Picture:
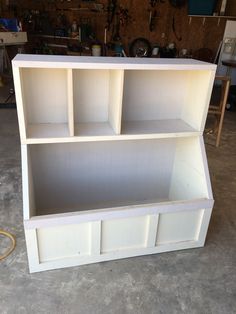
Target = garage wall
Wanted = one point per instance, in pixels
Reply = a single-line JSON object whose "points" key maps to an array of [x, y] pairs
{"points": [[194, 35]]}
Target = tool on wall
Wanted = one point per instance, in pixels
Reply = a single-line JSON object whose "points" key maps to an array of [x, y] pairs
{"points": [[111, 11], [178, 37], [153, 15], [177, 4], [154, 2]]}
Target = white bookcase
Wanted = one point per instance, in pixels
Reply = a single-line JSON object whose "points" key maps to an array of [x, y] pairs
{"points": [[113, 160]]}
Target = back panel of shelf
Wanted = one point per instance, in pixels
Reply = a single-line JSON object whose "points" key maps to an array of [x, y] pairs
{"points": [[97, 101], [44, 94], [165, 101]]}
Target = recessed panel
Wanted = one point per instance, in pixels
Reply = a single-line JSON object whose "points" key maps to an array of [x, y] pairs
{"points": [[179, 227], [63, 241], [126, 233]]}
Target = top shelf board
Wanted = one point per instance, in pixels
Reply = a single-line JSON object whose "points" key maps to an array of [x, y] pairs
{"points": [[63, 62]]}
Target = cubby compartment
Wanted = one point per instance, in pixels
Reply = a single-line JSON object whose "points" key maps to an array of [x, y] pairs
{"points": [[96, 175], [97, 101], [165, 101], [44, 95]]}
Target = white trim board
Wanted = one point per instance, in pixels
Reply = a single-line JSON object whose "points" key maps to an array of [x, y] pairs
{"points": [[46, 61], [115, 213]]}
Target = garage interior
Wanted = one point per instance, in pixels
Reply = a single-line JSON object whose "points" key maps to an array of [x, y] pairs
{"points": [[201, 280]]}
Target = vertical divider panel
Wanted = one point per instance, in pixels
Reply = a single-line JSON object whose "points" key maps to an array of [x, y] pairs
{"points": [[152, 225], [95, 245], [21, 111], [116, 84], [70, 103], [27, 183]]}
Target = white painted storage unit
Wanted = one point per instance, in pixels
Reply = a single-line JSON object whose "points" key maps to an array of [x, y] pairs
{"points": [[113, 159]]}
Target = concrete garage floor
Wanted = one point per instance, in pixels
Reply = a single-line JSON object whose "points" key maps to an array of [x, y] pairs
{"points": [[197, 281]]}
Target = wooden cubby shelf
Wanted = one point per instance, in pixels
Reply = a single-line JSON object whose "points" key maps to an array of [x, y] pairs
{"points": [[113, 158], [89, 97]]}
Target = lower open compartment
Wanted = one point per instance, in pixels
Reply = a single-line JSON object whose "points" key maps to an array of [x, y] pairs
{"points": [[96, 201]]}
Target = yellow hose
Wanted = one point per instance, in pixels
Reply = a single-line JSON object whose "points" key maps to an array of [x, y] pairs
{"points": [[13, 243]]}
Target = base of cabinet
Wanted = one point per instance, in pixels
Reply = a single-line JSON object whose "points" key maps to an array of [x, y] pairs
{"points": [[67, 245]]}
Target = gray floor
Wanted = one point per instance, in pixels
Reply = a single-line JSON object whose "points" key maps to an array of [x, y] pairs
{"points": [[192, 281]]}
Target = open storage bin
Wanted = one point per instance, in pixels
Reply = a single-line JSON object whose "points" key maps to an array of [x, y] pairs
{"points": [[95, 175]]}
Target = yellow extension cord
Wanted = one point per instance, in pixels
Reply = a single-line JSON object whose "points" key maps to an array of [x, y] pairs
{"points": [[13, 243]]}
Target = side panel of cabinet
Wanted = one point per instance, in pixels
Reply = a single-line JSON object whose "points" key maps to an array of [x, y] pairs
{"points": [[197, 98]]}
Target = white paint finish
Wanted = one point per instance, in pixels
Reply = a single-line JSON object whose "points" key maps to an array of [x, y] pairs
{"points": [[204, 226], [45, 93], [93, 129], [196, 105], [205, 168], [95, 238], [95, 95], [158, 95], [102, 190], [70, 101], [116, 82], [178, 227], [88, 131], [27, 184], [32, 250], [46, 61], [91, 95], [104, 214], [83, 175], [148, 170], [63, 241], [154, 95], [188, 175], [20, 102], [123, 234], [165, 126], [31, 196], [87, 259], [152, 230], [47, 130]]}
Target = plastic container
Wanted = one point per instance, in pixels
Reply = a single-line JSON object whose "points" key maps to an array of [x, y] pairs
{"points": [[9, 24], [201, 7], [96, 50]]}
